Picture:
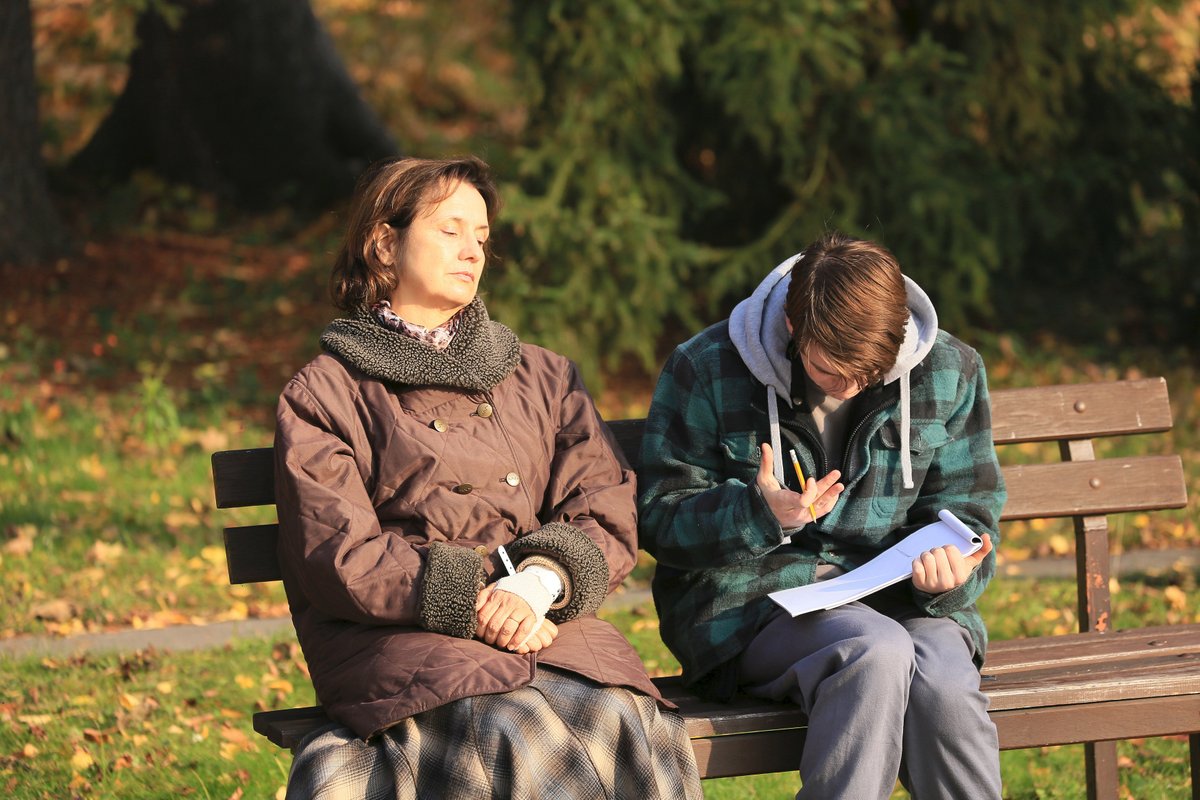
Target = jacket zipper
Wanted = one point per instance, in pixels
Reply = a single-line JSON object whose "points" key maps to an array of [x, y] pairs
{"points": [[846, 461]]}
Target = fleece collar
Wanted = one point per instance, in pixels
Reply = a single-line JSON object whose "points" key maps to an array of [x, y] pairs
{"points": [[482, 353]]}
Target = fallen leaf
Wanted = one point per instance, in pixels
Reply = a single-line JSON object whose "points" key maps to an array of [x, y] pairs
{"points": [[105, 553], [54, 610], [214, 555], [181, 519], [21, 543], [92, 467], [35, 719], [236, 735], [1176, 597], [82, 760], [1059, 544]]}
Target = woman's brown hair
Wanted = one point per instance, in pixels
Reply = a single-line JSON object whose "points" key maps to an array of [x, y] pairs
{"points": [[847, 297], [394, 192]]}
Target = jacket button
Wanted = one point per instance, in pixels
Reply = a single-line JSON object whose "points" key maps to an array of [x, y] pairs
{"points": [[439, 425], [464, 488], [512, 479], [481, 549], [484, 410]]}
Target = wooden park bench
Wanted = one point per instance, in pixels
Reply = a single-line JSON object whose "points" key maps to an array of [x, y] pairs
{"points": [[1093, 687]]}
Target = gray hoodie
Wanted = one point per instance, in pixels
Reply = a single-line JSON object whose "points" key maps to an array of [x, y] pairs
{"points": [[758, 329]]}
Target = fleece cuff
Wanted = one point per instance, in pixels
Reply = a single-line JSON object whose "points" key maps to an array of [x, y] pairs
{"points": [[579, 556], [453, 578]]}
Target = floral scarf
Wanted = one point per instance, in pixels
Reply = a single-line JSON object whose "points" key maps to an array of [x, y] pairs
{"points": [[438, 338]]}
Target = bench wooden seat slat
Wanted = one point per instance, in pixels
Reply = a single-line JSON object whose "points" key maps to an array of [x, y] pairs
{"points": [[777, 750], [749, 753], [1091, 687], [1014, 655], [1151, 677], [1097, 722], [1172, 716]]}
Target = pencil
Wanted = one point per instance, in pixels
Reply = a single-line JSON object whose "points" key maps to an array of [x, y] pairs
{"points": [[803, 483]]}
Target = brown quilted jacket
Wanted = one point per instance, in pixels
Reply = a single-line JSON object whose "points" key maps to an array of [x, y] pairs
{"points": [[399, 470]]}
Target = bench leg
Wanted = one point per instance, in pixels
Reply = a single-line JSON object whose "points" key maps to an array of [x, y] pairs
{"points": [[1194, 746], [1101, 761]]}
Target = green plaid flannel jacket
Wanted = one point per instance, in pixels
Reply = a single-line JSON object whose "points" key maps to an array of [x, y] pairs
{"points": [[720, 550]]}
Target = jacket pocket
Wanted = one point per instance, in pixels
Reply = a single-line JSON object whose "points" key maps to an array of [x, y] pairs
{"points": [[889, 497], [925, 437], [741, 449]]}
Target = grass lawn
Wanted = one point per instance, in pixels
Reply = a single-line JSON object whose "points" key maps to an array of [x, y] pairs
{"points": [[156, 724]]}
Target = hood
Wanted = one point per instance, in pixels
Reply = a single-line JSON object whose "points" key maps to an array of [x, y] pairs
{"points": [[759, 333], [758, 329]]}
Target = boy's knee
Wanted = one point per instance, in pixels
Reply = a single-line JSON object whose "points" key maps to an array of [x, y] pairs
{"points": [[887, 651]]}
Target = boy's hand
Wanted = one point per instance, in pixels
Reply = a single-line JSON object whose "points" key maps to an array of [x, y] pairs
{"points": [[944, 568], [791, 509]]}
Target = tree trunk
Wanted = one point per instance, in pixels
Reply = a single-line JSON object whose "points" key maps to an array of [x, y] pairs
{"points": [[30, 228], [245, 99]]}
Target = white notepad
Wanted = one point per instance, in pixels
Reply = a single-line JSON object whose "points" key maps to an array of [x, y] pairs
{"points": [[890, 566]]}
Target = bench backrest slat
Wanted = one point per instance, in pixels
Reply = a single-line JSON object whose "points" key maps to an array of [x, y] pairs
{"points": [[250, 553], [1107, 486], [1080, 411], [1076, 411], [244, 478], [1035, 491]]}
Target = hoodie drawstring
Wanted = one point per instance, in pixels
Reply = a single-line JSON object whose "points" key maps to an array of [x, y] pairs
{"points": [[905, 424], [776, 442], [776, 445]]}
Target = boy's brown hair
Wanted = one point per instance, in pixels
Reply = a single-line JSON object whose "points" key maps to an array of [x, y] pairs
{"points": [[847, 297]]}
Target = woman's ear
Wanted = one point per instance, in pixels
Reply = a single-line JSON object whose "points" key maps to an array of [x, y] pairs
{"points": [[383, 243]]}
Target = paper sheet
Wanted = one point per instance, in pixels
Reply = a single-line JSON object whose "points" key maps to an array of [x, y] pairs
{"points": [[890, 566]]}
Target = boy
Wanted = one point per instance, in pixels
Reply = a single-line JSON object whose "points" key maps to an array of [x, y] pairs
{"points": [[837, 356]]}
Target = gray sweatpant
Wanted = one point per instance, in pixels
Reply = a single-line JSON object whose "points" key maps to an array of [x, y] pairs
{"points": [[886, 694]]}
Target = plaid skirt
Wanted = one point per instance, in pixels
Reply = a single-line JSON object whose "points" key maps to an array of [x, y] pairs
{"points": [[560, 736]]}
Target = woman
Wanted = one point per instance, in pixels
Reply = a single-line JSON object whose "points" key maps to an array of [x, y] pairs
{"points": [[452, 512]]}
